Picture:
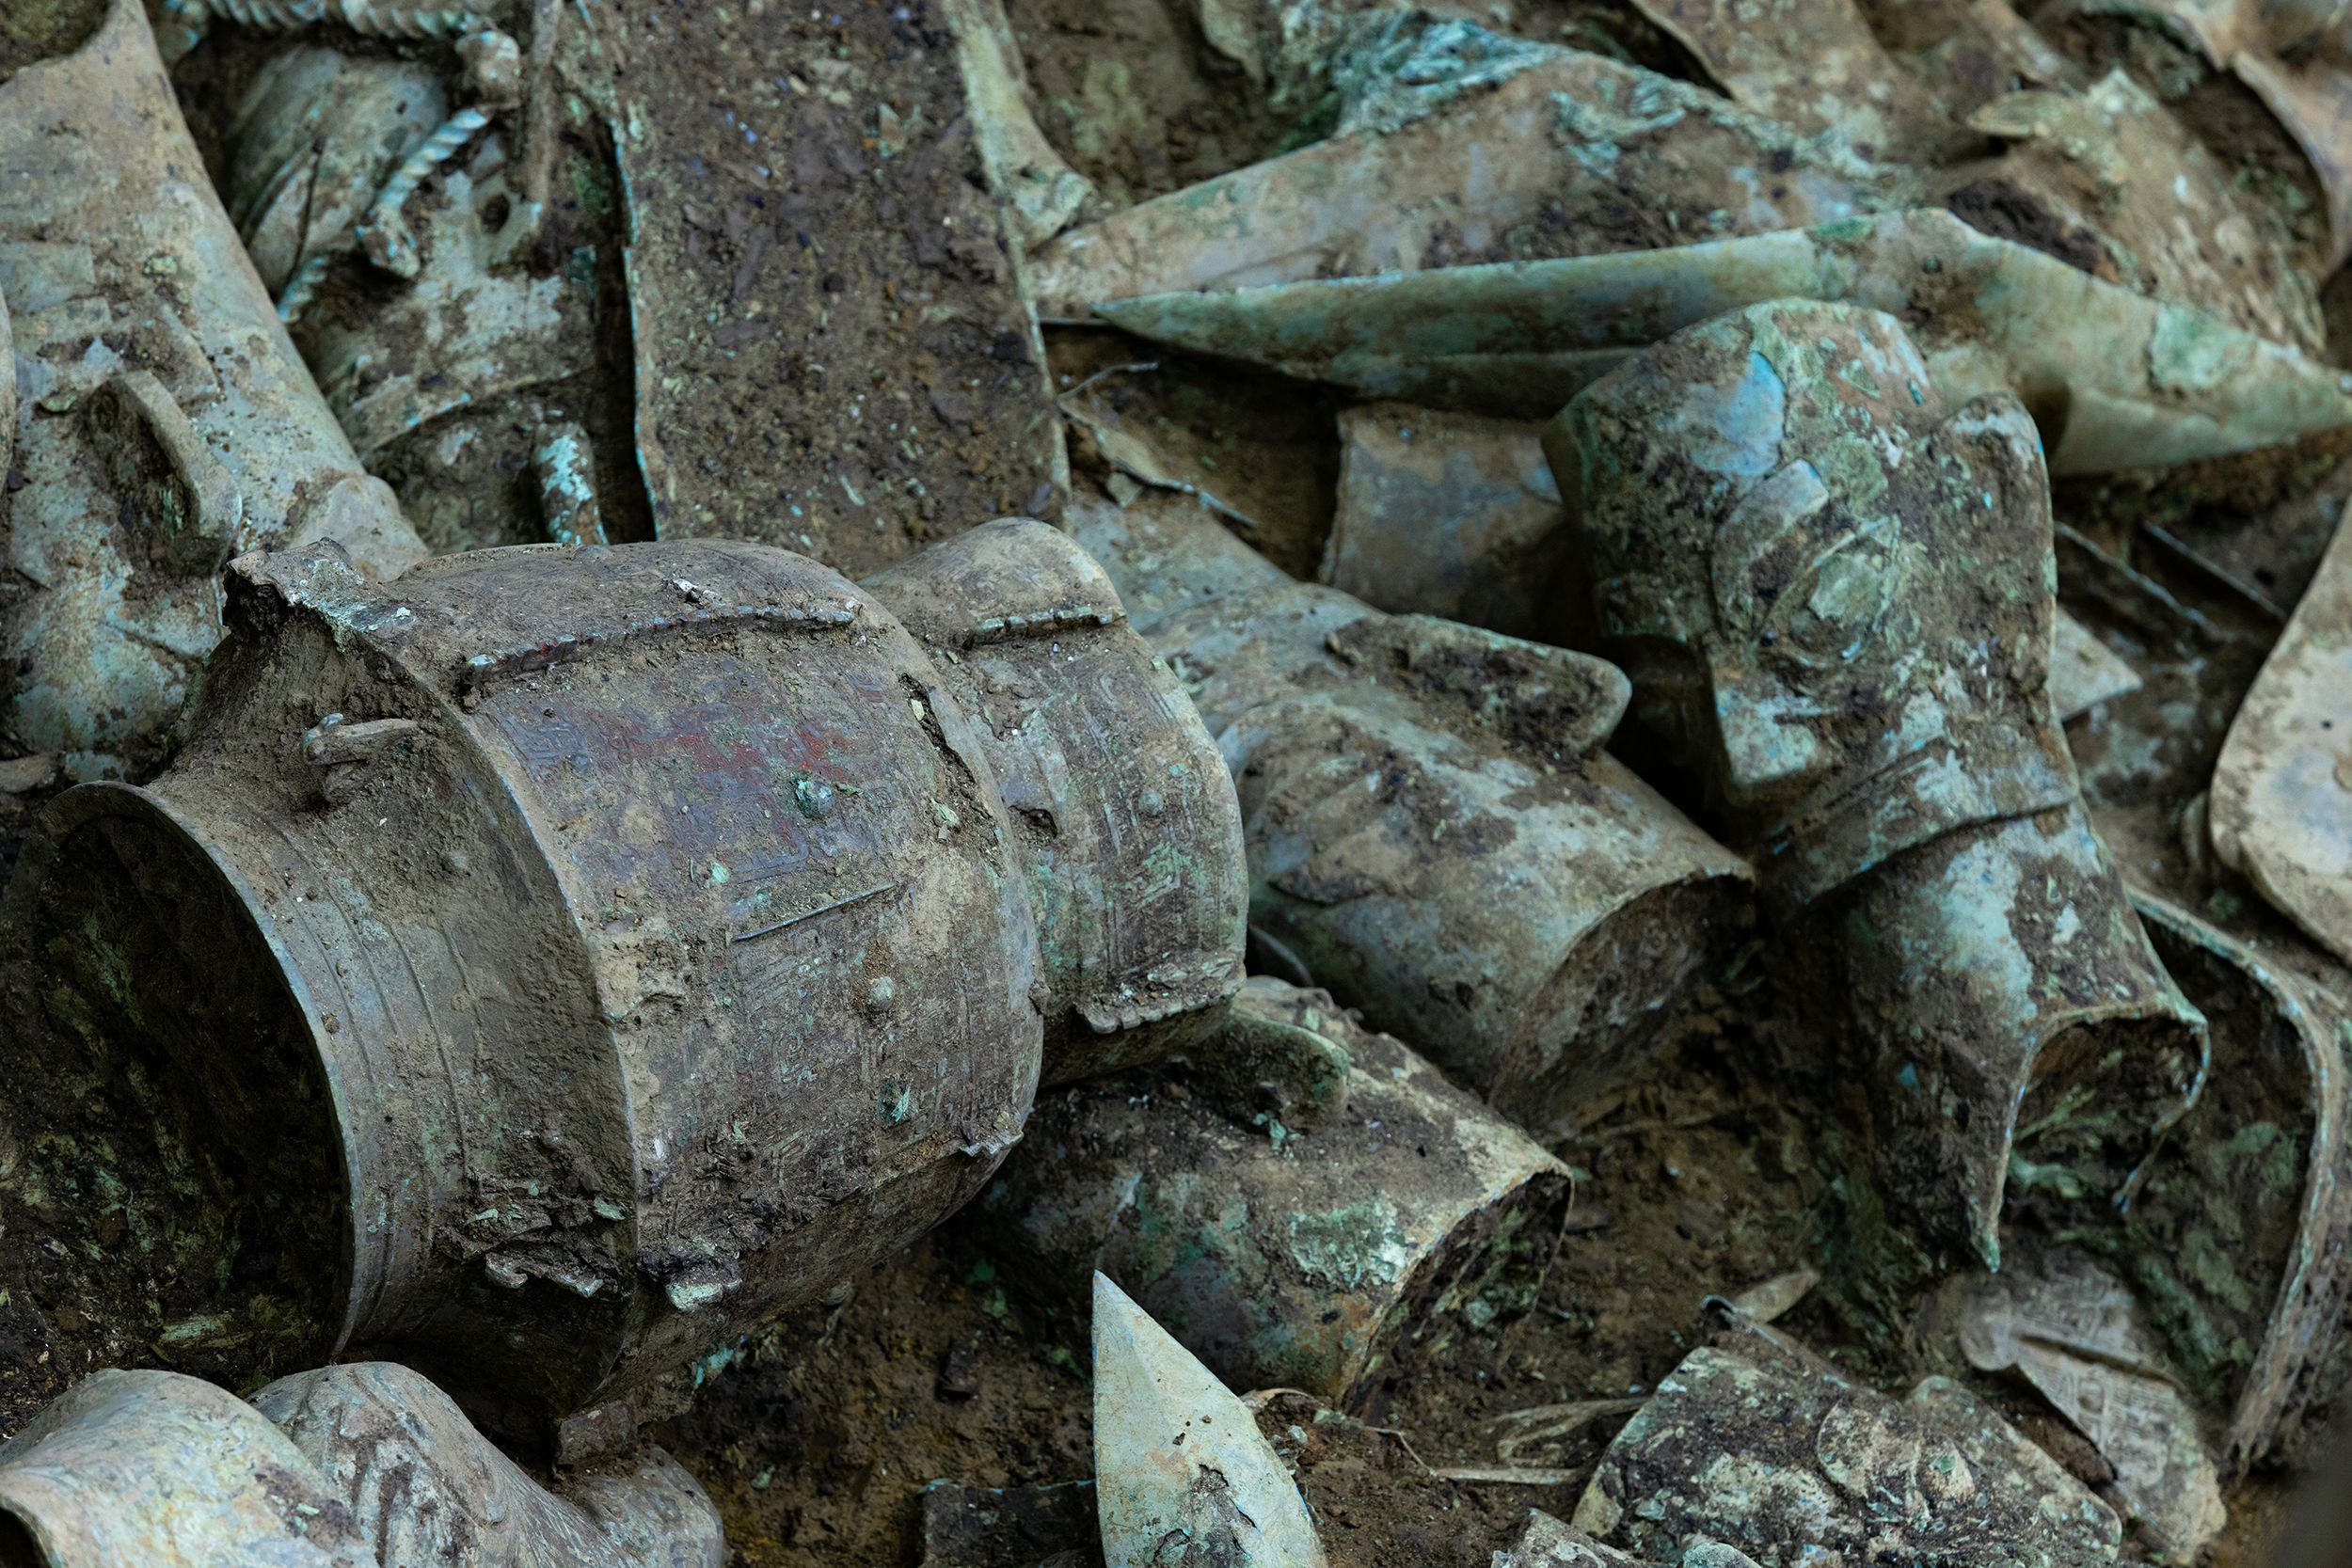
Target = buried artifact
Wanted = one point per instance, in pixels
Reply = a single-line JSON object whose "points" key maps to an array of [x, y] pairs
{"points": [[1181, 1473], [400, 234], [1305, 1203], [167, 421], [1126, 819], [351, 1466], [2116, 379], [2237, 1239], [632, 941], [1458, 144], [1835, 595], [1434, 832], [1756, 1444], [2281, 804]]}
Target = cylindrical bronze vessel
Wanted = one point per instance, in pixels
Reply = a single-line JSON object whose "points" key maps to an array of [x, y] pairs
{"points": [[600, 949]]}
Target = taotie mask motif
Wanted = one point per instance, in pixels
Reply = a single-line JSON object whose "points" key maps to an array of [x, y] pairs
{"points": [[1855, 586], [1834, 598]]}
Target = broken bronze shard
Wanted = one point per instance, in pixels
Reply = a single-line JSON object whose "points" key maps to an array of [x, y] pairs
{"points": [[1305, 1205], [1438, 138], [1758, 1446], [1834, 592], [1570, 149], [1450, 514], [1546, 1542], [2116, 379], [2237, 1240], [2074, 1333], [866, 374], [2292, 57], [658, 948], [1434, 832], [349, 1467], [1181, 1474], [168, 422], [2281, 803]]}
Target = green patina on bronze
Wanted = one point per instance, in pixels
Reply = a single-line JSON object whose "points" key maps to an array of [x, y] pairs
{"points": [[1755, 1442], [1128, 829], [620, 944], [346, 1466], [176, 426], [1435, 830], [1835, 595], [1390, 1215]]}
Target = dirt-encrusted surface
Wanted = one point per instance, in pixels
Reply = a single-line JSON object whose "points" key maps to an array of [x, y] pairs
{"points": [[35, 30], [461, 458], [1137, 99], [2222, 113], [1131, 92], [1264, 449], [1723, 1166], [832, 352], [820, 1439], [808, 329]]}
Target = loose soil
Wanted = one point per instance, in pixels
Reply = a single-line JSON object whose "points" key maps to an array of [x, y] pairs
{"points": [[1261, 445], [169, 1186], [1712, 1172], [1133, 95]]}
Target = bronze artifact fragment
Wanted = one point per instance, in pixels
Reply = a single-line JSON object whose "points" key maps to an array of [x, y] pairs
{"points": [[159, 393], [629, 941], [1834, 592], [1761, 1445], [1305, 1204], [363, 1464], [1434, 832]]}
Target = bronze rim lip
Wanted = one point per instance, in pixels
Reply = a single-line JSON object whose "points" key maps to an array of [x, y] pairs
{"points": [[88, 802]]}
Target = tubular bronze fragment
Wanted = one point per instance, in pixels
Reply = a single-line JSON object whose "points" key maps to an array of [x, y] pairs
{"points": [[350, 1466], [1307, 1205], [623, 944], [1434, 830], [1126, 816], [1450, 514], [172, 423]]}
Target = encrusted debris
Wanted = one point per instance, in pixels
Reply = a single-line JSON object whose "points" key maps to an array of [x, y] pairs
{"points": [[2069, 1330], [1307, 1205], [1767, 1450], [2281, 805], [1435, 834]]}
